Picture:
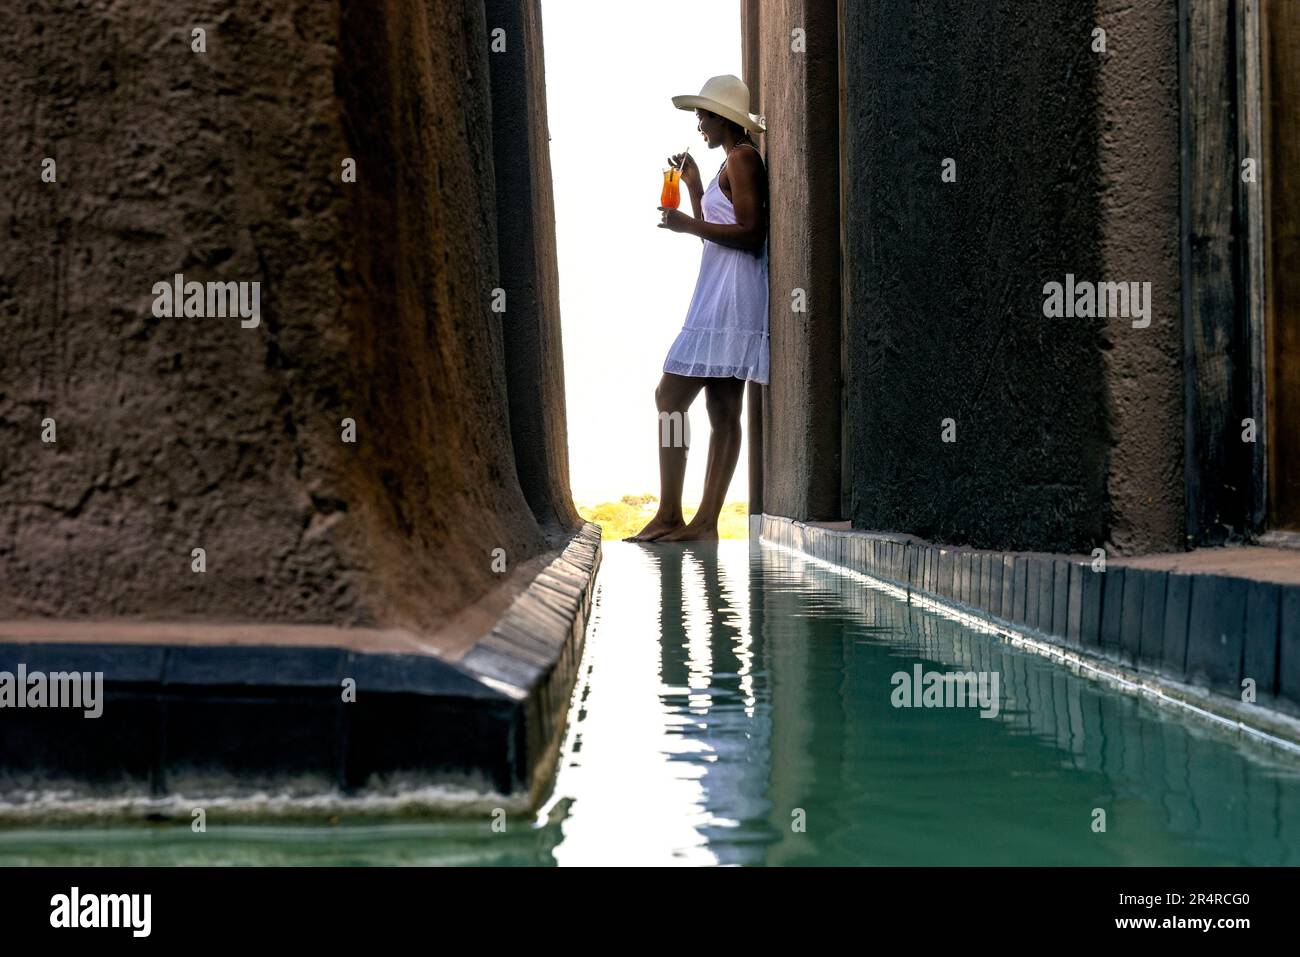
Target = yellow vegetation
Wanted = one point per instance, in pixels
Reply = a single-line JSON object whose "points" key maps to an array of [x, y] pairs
{"points": [[628, 515]]}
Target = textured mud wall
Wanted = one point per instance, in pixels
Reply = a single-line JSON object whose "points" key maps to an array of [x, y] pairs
{"points": [[174, 434], [797, 73], [529, 271], [752, 75], [1138, 154], [944, 280], [1068, 431]]}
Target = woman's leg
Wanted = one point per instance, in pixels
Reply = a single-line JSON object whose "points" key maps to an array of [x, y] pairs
{"points": [[725, 399], [673, 399]]}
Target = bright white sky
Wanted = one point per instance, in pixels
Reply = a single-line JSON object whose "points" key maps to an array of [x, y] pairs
{"points": [[625, 284]]}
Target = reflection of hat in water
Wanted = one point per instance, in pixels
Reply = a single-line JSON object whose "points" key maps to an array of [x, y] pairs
{"points": [[728, 97]]}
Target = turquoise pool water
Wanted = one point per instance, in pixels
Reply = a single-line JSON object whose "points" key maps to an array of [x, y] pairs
{"points": [[737, 705]]}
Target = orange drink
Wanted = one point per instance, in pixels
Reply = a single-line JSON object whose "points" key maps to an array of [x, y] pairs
{"points": [[671, 196]]}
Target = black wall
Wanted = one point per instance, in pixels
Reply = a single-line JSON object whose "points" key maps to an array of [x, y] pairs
{"points": [[943, 281]]}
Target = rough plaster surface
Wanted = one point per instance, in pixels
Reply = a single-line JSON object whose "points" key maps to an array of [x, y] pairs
{"points": [[529, 271], [799, 94], [177, 433], [1139, 165], [943, 281], [1069, 431]]}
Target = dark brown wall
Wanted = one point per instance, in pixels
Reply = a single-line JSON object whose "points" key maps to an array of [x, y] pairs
{"points": [[1281, 31], [799, 94], [752, 75], [529, 273], [1069, 431], [176, 433], [1218, 464], [1137, 116], [943, 281]]}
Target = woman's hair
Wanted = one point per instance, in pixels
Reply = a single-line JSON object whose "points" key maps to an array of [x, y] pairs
{"points": [[737, 130]]}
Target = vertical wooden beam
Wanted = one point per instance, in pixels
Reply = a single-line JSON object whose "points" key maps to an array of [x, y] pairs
{"points": [[1250, 204], [749, 56], [799, 89], [1280, 70], [1218, 463], [846, 458]]}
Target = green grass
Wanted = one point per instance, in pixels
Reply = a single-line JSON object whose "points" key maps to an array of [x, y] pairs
{"points": [[630, 513]]}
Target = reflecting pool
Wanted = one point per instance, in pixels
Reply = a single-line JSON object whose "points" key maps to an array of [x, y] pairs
{"points": [[738, 704]]}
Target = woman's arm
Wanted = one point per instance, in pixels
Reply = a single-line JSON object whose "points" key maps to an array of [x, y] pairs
{"points": [[697, 196], [691, 177], [745, 171]]}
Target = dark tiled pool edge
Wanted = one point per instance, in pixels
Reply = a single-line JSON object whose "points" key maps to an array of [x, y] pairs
{"points": [[229, 720], [1195, 637], [533, 655]]}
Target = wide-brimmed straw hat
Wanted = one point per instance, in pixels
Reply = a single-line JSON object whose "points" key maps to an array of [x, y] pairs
{"points": [[728, 97]]}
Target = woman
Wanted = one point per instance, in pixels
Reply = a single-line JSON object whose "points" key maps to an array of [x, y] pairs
{"points": [[724, 340]]}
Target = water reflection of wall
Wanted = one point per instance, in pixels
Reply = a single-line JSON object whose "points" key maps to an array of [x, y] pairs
{"points": [[1204, 789]]}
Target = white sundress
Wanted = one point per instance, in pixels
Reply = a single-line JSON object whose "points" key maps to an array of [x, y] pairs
{"points": [[725, 333]]}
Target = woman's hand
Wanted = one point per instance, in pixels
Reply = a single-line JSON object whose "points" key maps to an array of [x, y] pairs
{"points": [[690, 172], [675, 220]]}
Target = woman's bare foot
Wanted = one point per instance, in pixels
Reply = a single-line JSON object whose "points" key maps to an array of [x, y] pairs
{"points": [[695, 531], [656, 529]]}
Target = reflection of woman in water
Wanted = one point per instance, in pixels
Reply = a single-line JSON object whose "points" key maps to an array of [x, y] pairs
{"points": [[713, 680], [724, 341]]}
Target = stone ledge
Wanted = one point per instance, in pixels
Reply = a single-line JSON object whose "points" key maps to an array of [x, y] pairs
{"points": [[205, 718], [1195, 635]]}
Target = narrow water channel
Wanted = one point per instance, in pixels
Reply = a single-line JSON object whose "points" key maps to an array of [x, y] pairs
{"points": [[740, 705]]}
